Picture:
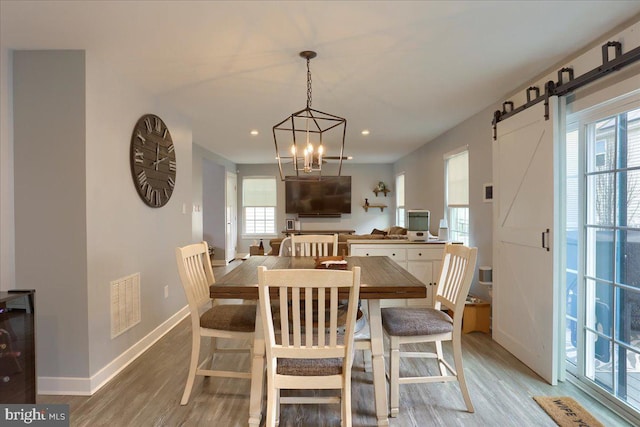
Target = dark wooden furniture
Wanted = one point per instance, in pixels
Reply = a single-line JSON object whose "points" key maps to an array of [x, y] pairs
{"points": [[17, 347], [381, 279]]}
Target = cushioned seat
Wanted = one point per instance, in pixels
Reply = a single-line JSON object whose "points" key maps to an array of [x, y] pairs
{"points": [[404, 322], [238, 318], [309, 367]]}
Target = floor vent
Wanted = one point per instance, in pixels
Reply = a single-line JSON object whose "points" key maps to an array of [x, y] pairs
{"points": [[125, 304]]}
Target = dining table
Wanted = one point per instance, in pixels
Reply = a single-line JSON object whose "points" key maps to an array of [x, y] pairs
{"points": [[381, 279]]}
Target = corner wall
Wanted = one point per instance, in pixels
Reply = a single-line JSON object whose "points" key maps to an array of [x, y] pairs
{"points": [[50, 204]]}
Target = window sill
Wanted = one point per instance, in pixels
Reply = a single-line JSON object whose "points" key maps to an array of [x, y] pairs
{"points": [[258, 236]]}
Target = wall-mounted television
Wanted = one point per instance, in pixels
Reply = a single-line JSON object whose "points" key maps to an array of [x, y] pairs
{"points": [[310, 197]]}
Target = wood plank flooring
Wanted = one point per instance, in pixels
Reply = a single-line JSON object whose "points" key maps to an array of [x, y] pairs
{"points": [[148, 392]]}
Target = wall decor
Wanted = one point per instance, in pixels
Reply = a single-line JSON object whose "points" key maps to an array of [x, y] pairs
{"points": [[153, 160]]}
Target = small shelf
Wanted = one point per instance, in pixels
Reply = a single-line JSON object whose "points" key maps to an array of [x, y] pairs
{"points": [[366, 207], [385, 191], [485, 283]]}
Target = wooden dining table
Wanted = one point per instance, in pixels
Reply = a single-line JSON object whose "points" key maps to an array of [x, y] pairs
{"points": [[381, 278]]}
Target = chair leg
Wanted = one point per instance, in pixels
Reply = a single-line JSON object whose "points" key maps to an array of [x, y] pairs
{"points": [[212, 350], [394, 375], [346, 403], [193, 366], [272, 406], [457, 359], [443, 368]]}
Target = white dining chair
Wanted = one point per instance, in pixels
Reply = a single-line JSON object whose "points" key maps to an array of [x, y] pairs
{"points": [[297, 355], [224, 321], [404, 325], [314, 245]]}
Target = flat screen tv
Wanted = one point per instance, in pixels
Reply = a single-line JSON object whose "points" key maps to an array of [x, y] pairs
{"points": [[328, 197]]}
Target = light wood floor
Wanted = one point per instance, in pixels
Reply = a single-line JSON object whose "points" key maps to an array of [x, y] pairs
{"points": [[148, 392]]}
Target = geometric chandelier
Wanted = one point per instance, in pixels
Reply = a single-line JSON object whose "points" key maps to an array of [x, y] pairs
{"points": [[307, 131]]}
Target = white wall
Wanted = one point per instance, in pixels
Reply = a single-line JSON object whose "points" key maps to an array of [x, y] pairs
{"points": [[7, 231], [50, 196], [424, 181], [124, 235], [80, 222], [364, 178], [209, 194]]}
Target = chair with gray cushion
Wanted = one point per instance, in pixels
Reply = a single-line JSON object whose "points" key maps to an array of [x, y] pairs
{"points": [[208, 319], [405, 325], [304, 350]]}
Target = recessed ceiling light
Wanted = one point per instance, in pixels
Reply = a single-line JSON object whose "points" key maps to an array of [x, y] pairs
{"points": [[365, 132], [254, 132]]}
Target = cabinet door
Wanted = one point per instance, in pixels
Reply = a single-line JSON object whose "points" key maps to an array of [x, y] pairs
{"points": [[423, 270]]}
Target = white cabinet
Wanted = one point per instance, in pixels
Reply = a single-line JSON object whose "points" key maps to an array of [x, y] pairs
{"points": [[423, 260]]}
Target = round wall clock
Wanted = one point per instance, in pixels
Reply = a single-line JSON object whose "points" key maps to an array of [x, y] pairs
{"points": [[153, 160]]}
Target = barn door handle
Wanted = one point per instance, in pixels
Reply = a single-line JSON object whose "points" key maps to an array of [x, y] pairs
{"points": [[545, 240]]}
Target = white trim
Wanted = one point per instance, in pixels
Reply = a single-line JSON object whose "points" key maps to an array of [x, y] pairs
{"points": [[453, 153], [78, 386]]}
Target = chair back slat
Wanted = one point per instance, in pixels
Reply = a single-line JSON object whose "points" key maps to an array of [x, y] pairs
{"points": [[314, 245], [458, 263], [196, 274], [303, 298]]}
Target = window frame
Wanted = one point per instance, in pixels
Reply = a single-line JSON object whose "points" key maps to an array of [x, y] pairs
{"points": [[268, 233], [454, 235]]}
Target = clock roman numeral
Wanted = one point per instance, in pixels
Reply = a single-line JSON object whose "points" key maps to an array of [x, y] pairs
{"points": [[140, 137], [142, 178], [171, 182], [166, 193], [172, 165], [147, 123], [139, 156], [155, 198], [149, 192], [158, 124], [164, 134], [170, 148]]}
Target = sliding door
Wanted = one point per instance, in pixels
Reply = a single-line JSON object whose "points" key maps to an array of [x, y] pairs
{"points": [[525, 313], [603, 286]]}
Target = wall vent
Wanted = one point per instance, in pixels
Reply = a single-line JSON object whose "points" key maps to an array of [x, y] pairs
{"points": [[125, 304]]}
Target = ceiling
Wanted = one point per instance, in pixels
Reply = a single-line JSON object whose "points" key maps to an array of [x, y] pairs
{"points": [[406, 71]]}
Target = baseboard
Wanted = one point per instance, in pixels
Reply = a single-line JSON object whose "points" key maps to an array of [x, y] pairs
{"points": [[76, 386]]}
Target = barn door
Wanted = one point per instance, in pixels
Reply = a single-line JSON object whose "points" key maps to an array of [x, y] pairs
{"points": [[525, 317]]}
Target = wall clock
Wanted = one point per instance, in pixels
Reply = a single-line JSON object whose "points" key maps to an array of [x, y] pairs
{"points": [[153, 160]]}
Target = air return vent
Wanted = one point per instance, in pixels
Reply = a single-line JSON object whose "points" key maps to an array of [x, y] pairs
{"points": [[125, 304]]}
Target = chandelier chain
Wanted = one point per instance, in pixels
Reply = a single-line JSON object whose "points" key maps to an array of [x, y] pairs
{"points": [[308, 84]]}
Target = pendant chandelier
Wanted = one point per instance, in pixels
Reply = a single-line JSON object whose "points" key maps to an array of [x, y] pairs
{"points": [[307, 131]]}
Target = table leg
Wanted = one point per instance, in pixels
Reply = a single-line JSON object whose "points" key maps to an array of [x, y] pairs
{"points": [[257, 373], [377, 353]]}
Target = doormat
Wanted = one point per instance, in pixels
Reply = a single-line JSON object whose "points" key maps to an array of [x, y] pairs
{"points": [[566, 412]]}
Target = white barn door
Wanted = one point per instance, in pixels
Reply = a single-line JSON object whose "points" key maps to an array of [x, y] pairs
{"points": [[525, 315]]}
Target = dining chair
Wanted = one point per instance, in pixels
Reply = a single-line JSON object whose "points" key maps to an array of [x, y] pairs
{"points": [[297, 355], [209, 319], [314, 245], [404, 325]]}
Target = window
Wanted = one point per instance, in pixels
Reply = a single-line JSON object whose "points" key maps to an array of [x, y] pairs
{"points": [[400, 200], [602, 337], [259, 205], [457, 194]]}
